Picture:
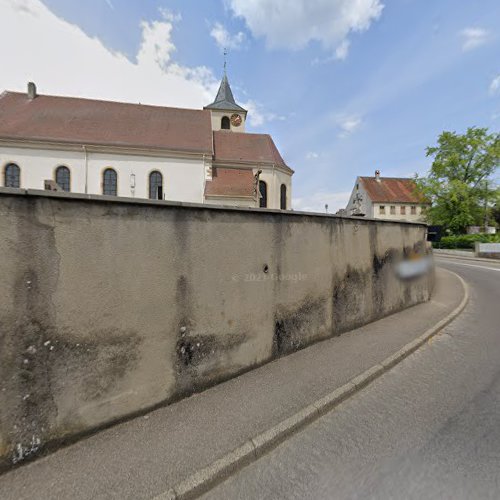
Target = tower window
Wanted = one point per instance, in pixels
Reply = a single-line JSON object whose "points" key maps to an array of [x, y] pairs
{"points": [[283, 197], [262, 194], [63, 178], [225, 123], [12, 176], [156, 185], [109, 182]]}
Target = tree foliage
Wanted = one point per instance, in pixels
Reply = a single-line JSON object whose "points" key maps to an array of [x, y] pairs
{"points": [[460, 185]]}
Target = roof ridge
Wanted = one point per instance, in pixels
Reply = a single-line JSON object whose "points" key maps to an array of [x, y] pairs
{"points": [[388, 178], [107, 101]]}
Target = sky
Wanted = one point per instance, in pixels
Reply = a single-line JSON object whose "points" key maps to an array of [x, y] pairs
{"points": [[344, 87]]}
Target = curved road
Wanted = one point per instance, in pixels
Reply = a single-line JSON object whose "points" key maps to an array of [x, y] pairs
{"points": [[430, 428]]}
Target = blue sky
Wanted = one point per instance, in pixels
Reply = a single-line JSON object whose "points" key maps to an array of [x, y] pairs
{"points": [[343, 87]]}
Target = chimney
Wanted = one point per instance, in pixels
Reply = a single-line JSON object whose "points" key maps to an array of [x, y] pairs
{"points": [[31, 90], [377, 175]]}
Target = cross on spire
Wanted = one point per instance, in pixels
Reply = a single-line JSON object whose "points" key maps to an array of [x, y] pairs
{"points": [[225, 60]]}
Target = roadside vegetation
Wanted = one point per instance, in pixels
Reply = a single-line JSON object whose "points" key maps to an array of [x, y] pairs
{"points": [[462, 186], [466, 241]]}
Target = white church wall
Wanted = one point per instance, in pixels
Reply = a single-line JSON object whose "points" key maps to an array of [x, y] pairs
{"points": [[274, 178], [183, 179], [38, 165]]}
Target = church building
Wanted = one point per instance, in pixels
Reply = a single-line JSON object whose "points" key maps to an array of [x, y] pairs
{"points": [[134, 150]]}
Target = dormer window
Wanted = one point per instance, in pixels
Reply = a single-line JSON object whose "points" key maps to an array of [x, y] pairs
{"points": [[225, 123]]}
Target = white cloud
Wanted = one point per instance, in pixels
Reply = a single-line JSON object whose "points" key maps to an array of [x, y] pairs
{"points": [[62, 59], [225, 40], [110, 4], [312, 155], [258, 116], [293, 24], [495, 85], [317, 201], [472, 38], [348, 124]]}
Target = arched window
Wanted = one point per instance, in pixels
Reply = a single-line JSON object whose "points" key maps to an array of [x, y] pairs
{"points": [[63, 178], [156, 185], [109, 182], [283, 197], [262, 194], [12, 176], [225, 123]]}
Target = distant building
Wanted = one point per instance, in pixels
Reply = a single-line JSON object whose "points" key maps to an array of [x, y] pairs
{"points": [[386, 198], [133, 150]]}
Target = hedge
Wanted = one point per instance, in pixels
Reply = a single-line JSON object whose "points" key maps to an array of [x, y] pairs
{"points": [[466, 241]]}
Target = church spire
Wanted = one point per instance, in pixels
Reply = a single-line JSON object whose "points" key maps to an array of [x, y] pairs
{"points": [[225, 99]]}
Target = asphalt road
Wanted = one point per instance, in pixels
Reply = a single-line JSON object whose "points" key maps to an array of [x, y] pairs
{"points": [[430, 428]]}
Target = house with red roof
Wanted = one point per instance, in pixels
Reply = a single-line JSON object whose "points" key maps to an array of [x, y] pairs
{"points": [[391, 198], [139, 151]]}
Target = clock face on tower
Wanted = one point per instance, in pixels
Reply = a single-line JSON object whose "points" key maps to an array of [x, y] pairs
{"points": [[236, 120]]}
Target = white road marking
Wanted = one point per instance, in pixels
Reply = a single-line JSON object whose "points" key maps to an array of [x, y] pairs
{"points": [[471, 265]]}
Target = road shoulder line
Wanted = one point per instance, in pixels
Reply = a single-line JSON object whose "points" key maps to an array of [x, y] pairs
{"points": [[219, 470]]}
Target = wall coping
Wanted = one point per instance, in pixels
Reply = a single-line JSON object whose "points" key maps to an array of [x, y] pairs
{"points": [[63, 195]]}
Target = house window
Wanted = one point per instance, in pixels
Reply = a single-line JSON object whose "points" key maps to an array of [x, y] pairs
{"points": [[262, 194], [381, 209], [283, 197], [12, 176], [393, 210], [403, 210], [63, 178], [156, 185], [413, 210], [225, 123], [109, 182]]}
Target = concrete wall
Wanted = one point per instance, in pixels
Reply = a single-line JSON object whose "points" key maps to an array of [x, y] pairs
{"points": [[109, 307]]}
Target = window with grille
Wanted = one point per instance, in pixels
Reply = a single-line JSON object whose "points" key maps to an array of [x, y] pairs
{"points": [[63, 178], [12, 175], [155, 185], [109, 182]]}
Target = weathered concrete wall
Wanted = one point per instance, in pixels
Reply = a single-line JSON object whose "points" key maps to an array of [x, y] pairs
{"points": [[110, 307]]}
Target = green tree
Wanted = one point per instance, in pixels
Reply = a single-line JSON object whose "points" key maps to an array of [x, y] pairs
{"points": [[460, 184]]}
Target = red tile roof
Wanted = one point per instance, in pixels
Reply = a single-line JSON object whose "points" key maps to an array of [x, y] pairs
{"points": [[92, 122], [389, 189], [244, 147], [231, 182]]}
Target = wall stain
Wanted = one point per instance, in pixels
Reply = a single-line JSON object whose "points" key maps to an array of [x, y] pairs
{"points": [[297, 326]]}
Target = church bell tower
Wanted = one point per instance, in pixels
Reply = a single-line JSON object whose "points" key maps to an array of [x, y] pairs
{"points": [[226, 114]]}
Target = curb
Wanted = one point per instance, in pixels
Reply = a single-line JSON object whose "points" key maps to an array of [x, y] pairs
{"points": [[219, 470], [478, 259]]}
